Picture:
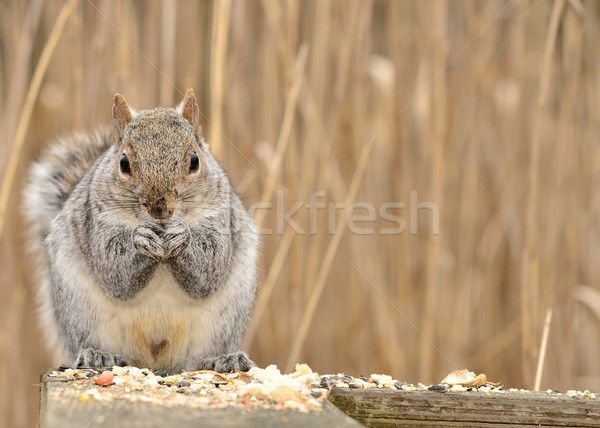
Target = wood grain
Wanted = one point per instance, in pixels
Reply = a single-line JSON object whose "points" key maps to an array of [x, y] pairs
{"points": [[384, 408]]}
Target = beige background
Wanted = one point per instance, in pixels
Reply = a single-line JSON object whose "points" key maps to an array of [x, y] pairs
{"points": [[487, 109]]}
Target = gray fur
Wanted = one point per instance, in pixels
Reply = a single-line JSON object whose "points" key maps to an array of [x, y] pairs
{"points": [[91, 358], [118, 284], [222, 363]]}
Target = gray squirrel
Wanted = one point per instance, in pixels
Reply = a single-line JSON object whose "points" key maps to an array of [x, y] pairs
{"points": [[146, 255]]}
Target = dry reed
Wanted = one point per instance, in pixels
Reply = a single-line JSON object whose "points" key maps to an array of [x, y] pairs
{"points": [[530, 263], [543, 346], [25, 117], [486, 109], [218, 71]]}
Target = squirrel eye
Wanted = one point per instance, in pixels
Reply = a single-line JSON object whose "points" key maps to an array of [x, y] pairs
{"points": [[194, 163], [124, 163]]}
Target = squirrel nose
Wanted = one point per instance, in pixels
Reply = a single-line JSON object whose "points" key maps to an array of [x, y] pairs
{"points": [[159, 209]]}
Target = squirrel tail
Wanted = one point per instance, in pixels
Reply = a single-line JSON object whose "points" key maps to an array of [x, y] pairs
{"points": [[54, 176], [50, 182]]}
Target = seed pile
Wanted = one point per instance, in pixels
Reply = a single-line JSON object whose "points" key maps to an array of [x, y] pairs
{"points": [[266, 388], [303, 390]]}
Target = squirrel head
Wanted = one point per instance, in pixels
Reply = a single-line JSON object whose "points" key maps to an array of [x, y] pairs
{"points": [[160, 155]]}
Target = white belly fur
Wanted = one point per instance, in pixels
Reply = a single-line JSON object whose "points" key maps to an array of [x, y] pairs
{"points": [[157, 328]]}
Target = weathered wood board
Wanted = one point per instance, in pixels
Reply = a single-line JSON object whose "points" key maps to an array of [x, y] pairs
{"points": [[385, 408], [61, 406], [69, 412]]}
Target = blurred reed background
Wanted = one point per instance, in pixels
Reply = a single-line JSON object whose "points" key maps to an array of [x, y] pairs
{"points": [[487, 109]]}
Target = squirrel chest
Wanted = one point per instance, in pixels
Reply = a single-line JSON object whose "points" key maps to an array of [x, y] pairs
{"points": [[157, 327]]}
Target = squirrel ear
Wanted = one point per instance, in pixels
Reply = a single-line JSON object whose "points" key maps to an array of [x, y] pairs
{"points": [[190, 112], [121, 116]]}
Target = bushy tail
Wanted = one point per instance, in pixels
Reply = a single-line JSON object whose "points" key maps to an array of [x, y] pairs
{"points": [[54, 176], [50, 182]]}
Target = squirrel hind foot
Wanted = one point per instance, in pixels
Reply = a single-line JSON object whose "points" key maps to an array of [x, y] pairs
{"points": [[223, 363], [90, 357]]}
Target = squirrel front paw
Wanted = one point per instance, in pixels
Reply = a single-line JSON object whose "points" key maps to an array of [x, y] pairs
{"points": [[176, 238], [147, 240], [90, 357]]}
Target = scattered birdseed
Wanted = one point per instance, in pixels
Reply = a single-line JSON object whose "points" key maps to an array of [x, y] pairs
{"points": [[119, 371], [303, 390], [437, 388], [136, 373], [106, 378], [153, 382], [202, 389], [458, 388]]}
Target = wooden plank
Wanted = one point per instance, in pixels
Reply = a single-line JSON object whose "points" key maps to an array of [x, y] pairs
{"points": [[61, 406], [387, 407], [59, 409]]}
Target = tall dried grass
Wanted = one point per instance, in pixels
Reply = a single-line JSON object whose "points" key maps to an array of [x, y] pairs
{"points": [[487, 109]]}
